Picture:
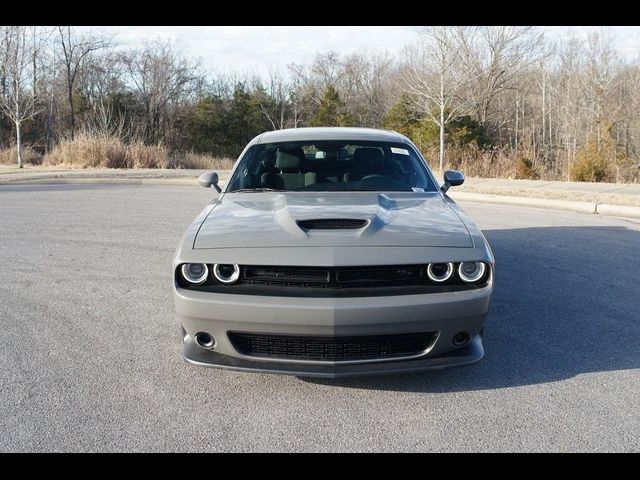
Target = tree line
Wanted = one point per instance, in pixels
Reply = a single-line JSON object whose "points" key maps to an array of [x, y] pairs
{"points": [[493, 101]]}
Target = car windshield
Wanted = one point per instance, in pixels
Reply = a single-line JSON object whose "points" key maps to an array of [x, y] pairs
{"points": [[321, 166]]}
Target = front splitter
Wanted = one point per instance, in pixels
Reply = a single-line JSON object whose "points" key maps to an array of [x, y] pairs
{"points": [[472, 353]]}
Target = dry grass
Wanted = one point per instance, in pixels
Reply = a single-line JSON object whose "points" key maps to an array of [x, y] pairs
{"points": [[9, 156], [96, 150], [201, 161], [89, 150], [501, 162], [477, 162], [140, 155]]}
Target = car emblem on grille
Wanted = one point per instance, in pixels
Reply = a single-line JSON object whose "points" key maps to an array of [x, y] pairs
{"points": [[403, 272]]}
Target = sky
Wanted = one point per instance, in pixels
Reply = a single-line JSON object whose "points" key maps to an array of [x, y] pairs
{"points": [[256, 49]]}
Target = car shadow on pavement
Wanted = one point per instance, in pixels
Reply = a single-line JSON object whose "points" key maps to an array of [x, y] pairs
{"points": [[566, 302]]}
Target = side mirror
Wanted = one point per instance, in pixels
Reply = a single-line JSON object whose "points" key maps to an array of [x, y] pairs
{"points": [[209, 179], [452, 178]]}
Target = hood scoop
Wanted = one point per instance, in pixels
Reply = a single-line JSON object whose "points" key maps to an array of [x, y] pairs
{"points": [[332, 224]]}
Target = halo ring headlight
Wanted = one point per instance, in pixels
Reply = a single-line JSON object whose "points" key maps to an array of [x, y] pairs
{"points": [[439, 276], [471, 272], [226, 273], [195, 273]]}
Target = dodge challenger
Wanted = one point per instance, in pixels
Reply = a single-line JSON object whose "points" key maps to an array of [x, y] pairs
{"points": [[332, 252]]}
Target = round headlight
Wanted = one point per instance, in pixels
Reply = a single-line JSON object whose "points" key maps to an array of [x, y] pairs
{"points": [[440, 272], [471, 271], [195, 273], [226, 272]]}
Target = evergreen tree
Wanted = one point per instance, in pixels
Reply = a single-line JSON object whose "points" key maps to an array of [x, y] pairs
{"points": [[424, 132], [204, 125], [331, 111]]}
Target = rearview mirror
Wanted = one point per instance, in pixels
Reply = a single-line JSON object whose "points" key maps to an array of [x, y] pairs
{"points": [[209, 179], [452, 178]]}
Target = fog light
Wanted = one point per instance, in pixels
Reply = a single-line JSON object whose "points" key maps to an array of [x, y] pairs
{"points": [[205, 340], [471, 272], [226, 272], [460, 339], [195, 273]]}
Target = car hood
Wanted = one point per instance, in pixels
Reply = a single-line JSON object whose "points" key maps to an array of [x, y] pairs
{"points": [[393, 219]]}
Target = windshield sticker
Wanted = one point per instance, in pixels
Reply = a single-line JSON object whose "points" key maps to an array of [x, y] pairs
{"points": [[400, 151]]}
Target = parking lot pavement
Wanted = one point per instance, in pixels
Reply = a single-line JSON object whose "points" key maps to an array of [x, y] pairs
{"points": [[91, 355]]}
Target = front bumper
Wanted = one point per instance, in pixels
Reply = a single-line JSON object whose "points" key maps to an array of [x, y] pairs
{"points": [[472, 353], [445, 313]]}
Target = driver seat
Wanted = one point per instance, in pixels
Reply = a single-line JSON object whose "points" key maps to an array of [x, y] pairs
{"points": [[366, 161]]}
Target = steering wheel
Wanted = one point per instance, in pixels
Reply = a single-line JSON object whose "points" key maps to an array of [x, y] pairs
{"points": [[372, 176], [383, 182]]}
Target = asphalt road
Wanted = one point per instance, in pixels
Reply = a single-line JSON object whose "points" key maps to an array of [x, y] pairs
{"points": [[90, 355]]}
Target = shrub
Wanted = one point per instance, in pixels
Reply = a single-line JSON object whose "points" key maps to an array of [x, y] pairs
{"points": [[30, 156], [525, 169], [589, 169], [590, 165]]}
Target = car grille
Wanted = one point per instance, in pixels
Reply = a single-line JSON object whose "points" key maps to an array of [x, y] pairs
{"points": [[335, 277], [330, 348], [281, 275], [332, 224]]}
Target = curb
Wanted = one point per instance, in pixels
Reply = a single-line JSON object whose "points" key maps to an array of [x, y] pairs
{"points": [[618, 210], [568, 205], [191, 182], [604, 209], [580, 207]]}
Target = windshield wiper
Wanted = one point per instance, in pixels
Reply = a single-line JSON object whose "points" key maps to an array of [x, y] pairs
{"points": [[380, 190], [260, 189]]}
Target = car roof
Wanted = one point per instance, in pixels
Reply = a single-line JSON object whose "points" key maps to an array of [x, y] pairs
{"points": [[329, 133]]}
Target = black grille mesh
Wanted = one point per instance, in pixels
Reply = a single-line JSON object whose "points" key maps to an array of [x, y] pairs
{"points": [[334, 277], [286, 275], [325, 348], [332, 224], [378, 276]]}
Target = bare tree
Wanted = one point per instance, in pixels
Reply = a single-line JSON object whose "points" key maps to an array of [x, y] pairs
{"points": [[312, 80], [434, 78], [600, 76], [160, 75], [76, 51], [494, 56], [274, 99], [366, 87], [19, 100]]}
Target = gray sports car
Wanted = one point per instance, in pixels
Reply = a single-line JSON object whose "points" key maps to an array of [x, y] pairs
{"points": [[332, 252]]}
